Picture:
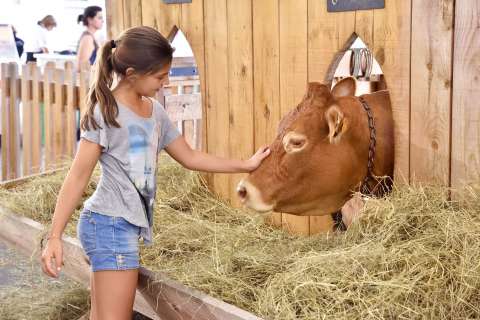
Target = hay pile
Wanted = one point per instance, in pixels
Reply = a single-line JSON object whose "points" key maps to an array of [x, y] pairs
{"points": [[64, 300], [411, 255], [27, 295]]}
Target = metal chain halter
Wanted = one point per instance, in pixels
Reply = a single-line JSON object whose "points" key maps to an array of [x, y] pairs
{"points": [[364, 188]]}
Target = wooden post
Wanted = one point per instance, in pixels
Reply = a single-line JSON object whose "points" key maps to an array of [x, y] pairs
{"points": [[216, 58], [84, 73], [4, 105], [36, 139], [465, 156], [431, 73], [391, 47], [26, 118], [71, 124], [58, 126], [14, 121], [293, 33], [47, 114], [240, 87], [266, 77]]}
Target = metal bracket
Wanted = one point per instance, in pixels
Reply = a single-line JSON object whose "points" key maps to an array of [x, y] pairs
{"points": [[361, 63]]}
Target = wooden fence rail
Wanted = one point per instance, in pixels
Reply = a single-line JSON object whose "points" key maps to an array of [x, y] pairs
{"points": [[40, 111], [157, 296]]}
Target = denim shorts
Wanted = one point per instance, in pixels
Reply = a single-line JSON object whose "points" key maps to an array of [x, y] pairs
{"points": [[111, 243]]}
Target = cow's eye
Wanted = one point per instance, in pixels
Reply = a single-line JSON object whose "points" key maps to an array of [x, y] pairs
{"points": [[294, 142], [297, 143]]}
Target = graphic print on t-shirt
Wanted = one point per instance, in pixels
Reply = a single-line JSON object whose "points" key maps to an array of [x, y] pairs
{"points": [[143, 141]]}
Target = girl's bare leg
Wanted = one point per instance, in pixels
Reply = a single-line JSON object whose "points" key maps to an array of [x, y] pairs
{"points": [[92, 298], [114, 294]]}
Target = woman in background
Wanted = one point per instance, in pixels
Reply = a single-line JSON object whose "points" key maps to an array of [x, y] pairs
{"points": [[38, 42], [19, 43], [92, 19]]}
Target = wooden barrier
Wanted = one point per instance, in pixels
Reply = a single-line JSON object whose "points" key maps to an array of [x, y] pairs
{"points": [[23, 235], [40, 108], [158, 296], [256, 57]]}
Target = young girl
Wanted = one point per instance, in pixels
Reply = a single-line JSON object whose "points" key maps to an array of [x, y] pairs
{"points": [[124, 130]]}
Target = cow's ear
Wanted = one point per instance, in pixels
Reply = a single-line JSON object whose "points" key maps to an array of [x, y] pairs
{"points": [[337, 124], [345, 87]]}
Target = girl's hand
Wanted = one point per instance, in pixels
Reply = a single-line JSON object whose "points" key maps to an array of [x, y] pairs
{"points": [[257, 158], [53, 250]]}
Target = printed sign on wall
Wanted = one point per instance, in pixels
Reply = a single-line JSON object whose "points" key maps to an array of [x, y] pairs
{"points": [[352, 5], [177, 1]]}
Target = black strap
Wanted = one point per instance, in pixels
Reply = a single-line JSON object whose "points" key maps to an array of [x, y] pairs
{"points": [[338, 224]]}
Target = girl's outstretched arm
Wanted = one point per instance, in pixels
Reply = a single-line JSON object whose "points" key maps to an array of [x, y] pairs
{"points": [[70, 194], [201, 161]]}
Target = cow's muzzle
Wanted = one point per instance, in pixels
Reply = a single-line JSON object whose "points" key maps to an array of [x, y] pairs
{"points": [[251, 197]]}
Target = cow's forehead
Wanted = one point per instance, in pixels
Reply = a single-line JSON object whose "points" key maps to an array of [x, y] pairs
{"points": [[303, 111]]}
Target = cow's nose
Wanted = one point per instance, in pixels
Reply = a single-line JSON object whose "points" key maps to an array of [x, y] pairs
{"points": [[241, 191]]}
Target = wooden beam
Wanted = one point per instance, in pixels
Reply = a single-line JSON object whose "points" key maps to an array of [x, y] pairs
{"points": [[8, 184], [13, 121], [391, 47], [293, 33], [158, 296], [58, 128], [4, 115], [48, 91], [192, 25], [465, 161], [37, 89], [172, 300], [266, 77], [240, 86], [216, 59], [26, 119], [431, 71], [25, 235]]}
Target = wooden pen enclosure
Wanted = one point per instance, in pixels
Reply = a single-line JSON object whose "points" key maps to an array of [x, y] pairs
{"points": [[255, 58]]}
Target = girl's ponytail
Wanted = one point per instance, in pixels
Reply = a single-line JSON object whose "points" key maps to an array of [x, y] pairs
{"points": [[143, 49], [100, 91]]}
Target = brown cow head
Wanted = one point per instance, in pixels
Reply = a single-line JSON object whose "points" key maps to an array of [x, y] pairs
{"points": [[320, 153]]}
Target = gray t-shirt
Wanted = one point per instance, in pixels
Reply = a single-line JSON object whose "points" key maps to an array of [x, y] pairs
{"points": [[129, 161]]}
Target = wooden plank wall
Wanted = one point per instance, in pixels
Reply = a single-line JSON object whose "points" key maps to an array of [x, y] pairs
{"points": [[255, 58], [431, 90], [465, 161]]}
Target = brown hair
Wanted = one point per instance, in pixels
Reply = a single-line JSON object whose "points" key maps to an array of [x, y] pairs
{"points": [[142, 48], [88, 12], [48, 21]]}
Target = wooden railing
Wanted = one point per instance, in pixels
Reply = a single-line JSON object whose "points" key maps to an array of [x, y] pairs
{"points": [[39, 116], [183, 103], [40, 111]]}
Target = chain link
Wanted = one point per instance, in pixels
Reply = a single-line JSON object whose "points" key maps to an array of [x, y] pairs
{"points": [[364, 188]]}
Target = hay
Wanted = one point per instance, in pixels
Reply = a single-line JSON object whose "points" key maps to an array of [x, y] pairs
{"points": [[60, 301], [27, 295], [411, 255], [37, 197]]}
